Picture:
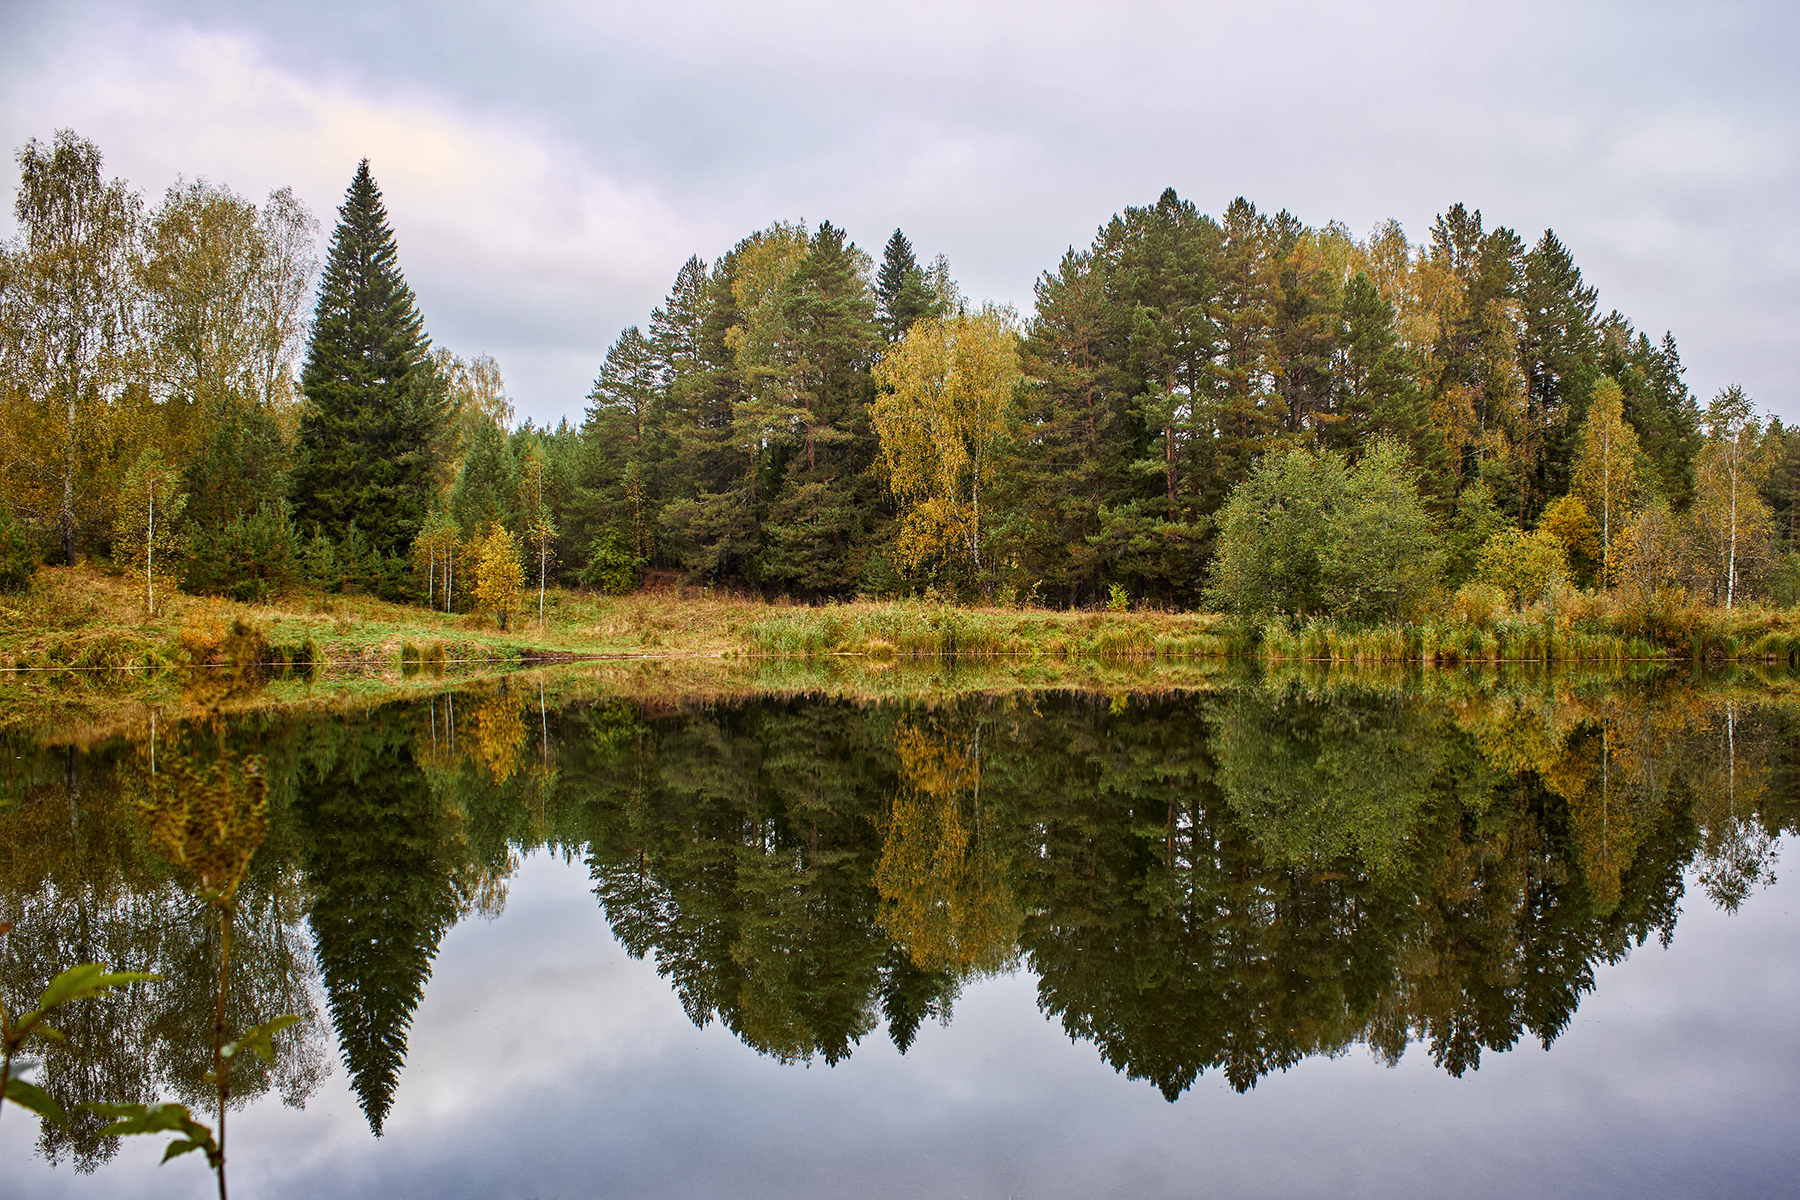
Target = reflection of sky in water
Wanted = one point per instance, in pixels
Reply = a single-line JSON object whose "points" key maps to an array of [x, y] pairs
{"points": [[544, 1062]]}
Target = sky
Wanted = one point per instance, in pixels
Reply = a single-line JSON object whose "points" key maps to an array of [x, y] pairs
{"points": [[548, 167]]}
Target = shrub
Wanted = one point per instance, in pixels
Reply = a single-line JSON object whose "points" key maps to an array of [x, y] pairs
{"points": [[1307, 534], [612, 567], [18, 557], [249, 558], [1521, 564], [1477, 604]]}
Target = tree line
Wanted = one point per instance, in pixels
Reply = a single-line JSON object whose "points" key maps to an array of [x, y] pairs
{"points": [[797, 418]]}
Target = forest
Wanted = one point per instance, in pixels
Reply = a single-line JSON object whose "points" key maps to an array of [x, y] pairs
{"points": [[1242, 413]]}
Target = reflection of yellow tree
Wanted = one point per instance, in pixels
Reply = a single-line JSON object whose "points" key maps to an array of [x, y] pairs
{"points": [[1609, 761], [944, 894], [499, 737], [208, 818]]}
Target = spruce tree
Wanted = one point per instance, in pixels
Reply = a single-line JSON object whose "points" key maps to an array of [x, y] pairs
{"points": [[1559, 351], [375, 406], [902, 293]]}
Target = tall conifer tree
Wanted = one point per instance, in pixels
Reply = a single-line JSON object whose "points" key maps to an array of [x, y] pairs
{"points": [[375, 406], [902, 293]]}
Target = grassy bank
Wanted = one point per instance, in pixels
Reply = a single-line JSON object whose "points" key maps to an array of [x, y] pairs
{"points": [[82, 628]]}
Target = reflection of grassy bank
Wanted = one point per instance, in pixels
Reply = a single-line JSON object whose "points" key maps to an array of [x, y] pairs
{"points": [[1591, 632]]}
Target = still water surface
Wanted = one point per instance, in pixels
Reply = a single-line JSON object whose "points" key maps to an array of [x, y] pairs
{"points": [[1282, 937]]}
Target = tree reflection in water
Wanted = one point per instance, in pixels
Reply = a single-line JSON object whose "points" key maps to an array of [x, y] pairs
{"points": [[1229, 881]]}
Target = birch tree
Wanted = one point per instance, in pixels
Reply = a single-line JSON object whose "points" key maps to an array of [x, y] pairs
{"points": [[540, 527], [1727, 506], [1609, 474], [68, 331], [145, 515], [945, 392]]}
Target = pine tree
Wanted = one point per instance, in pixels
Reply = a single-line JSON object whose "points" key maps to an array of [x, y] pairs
{"points": [[375, 406]]}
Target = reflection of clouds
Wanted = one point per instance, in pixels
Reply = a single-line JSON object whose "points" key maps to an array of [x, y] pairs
{"points": [[1675, 1079]]}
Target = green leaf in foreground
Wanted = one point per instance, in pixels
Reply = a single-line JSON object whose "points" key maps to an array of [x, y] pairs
{"points": [[257, 1039], [29, 1095], [88, 979], [128, 1119]]}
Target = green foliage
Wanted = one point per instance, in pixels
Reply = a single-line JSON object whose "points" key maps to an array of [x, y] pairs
{"points": [[903, 294], [18, 556], [319, 561], [489, 479], [252, 557], [1382, 550], [376, 407], [1475, 520], [162, 1118], [1306, 535], [1117, 599], [611, 566], [1272, 531]]}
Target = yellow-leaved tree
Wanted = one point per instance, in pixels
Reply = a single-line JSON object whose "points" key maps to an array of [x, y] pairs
{"points": [[1523, 565], [940, 416], [1609, 465], [144, 530], [1571, 522], [499, 575]]}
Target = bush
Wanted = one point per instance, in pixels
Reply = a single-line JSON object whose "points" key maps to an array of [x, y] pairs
{"points": [[1523, 565], [612, 567], [18, 557], [1477, 604], [249, 558], [1308, 534]]}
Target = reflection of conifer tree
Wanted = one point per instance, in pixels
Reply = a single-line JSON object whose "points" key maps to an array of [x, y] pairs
{"points": [[909, 995], [735, 846], [379, 866], [1424, 875]]}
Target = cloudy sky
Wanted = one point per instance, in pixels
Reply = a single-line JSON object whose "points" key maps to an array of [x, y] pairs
{"points": [[549, 166]]}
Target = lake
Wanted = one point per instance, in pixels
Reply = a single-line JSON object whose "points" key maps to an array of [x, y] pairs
{"points": [[1283, 934]]}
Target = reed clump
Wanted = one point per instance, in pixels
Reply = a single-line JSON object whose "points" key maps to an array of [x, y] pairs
{"points": [[905, 630]]}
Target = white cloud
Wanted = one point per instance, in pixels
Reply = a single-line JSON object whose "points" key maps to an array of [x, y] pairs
{"points": [[512, 236]]}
